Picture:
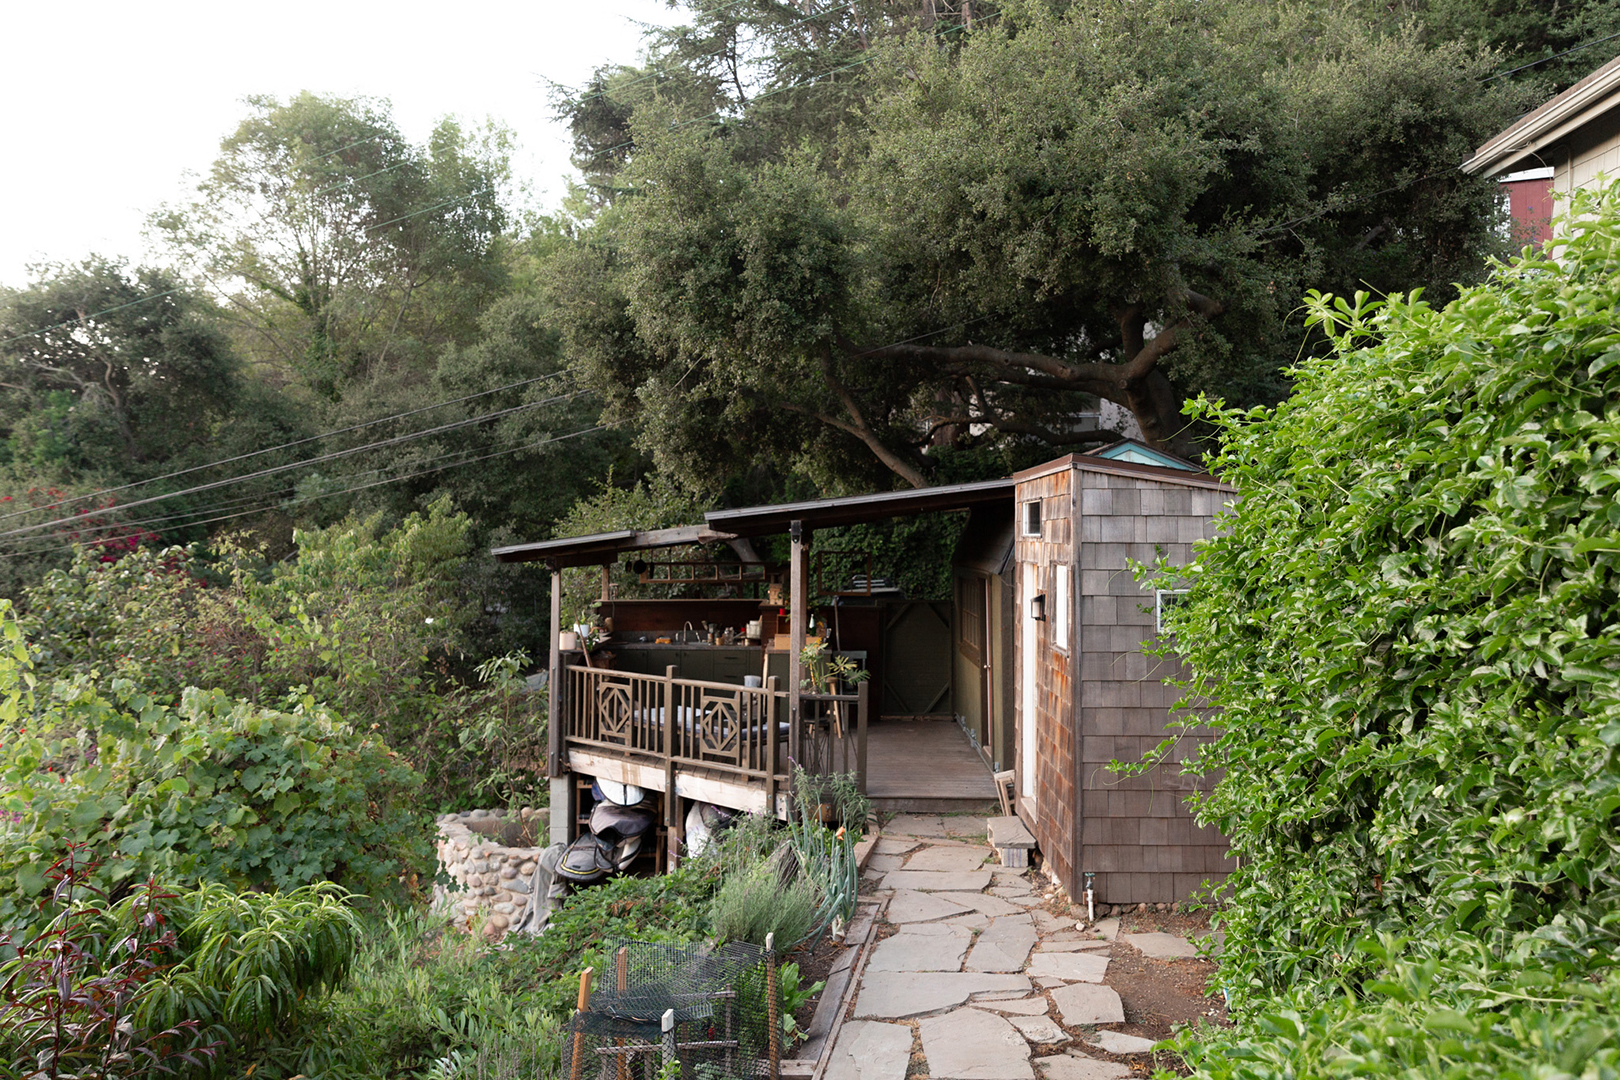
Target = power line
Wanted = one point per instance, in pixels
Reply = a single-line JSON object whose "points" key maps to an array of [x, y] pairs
{"points": [[1545, 59], [96, 315], [334, 455], [283, 446], [345, 491]]}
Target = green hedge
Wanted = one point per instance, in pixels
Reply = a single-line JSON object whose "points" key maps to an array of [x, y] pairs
{"points": [[1409, 632]]}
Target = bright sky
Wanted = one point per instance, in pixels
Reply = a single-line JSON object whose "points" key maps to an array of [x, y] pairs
{"points": [[108, 106]]}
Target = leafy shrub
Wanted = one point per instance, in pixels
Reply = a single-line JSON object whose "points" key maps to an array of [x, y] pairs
{"points": [[366, 620], [1409, 631], [206, 790], [70, 994]]}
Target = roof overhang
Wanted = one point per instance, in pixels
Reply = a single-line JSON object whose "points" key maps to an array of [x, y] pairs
{"points": [[1550, 124], [599, 548], [858, 509]]}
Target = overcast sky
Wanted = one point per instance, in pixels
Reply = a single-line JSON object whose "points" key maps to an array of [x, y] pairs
{"points": [[106, 106]]}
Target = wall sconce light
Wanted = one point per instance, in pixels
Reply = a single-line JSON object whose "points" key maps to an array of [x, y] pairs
{"points": [[1037, 607]]}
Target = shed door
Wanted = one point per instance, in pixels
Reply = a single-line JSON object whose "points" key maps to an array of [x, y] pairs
{"points": [[916, 659]]}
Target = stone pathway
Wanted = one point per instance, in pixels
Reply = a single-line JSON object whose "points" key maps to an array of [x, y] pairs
{"points": [[978, 981]]}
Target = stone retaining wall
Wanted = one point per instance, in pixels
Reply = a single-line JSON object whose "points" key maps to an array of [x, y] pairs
{"points": [[491, 859]]}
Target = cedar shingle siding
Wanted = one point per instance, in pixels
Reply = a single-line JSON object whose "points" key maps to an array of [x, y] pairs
{"points": [[1105, 700]]}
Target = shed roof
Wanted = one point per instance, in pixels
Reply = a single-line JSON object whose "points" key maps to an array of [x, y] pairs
{"points": [[1086, 463], [855, 509], [604, 547], [1576, 107]]}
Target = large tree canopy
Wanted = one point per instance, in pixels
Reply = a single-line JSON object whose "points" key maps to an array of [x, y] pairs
{"points": [[1115, 202], [341, 244]]}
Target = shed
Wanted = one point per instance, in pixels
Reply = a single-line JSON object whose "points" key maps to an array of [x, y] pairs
{"points": [[1087, 692]]}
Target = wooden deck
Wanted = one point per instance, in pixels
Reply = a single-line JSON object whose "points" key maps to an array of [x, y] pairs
{"points": [[925, 765]]}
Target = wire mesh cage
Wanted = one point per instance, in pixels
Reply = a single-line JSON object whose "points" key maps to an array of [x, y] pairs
{"points": [[677, 1012]]}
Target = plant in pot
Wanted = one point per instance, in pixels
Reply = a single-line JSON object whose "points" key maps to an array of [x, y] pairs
{"points": [[826, 672]]}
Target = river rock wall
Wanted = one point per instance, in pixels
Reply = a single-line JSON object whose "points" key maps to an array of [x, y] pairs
{"points": [[499, 878]]}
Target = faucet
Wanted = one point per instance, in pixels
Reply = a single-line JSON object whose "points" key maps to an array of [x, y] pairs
{"points": [[687, 630]]}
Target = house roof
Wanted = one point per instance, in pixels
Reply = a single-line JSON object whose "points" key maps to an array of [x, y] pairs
{"points": [[1532, 133]]}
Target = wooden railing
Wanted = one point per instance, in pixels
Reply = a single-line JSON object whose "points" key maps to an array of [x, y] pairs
{"points": [[743, 731]]}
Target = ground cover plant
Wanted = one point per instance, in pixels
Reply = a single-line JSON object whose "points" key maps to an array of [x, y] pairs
{"points": [[1408, 632]]}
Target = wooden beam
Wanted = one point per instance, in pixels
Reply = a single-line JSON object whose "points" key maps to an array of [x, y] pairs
{"points": [[798, 614], [554, 682]]}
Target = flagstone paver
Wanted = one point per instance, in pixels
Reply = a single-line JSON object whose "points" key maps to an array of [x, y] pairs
{"points": [[1053, 945], [1053, 924], [910, 906], [1117, 1042], [915, 825], [922, 952], [965, 881], [1088, 1003], [974, 940], [985, 903], [947, 858], [894, 995], [1075, 967], [1075, 1067], [1004, 945], [1160, 946], [1030, 1006], [1040, 1030], [970, 1044], [870, 1050]]}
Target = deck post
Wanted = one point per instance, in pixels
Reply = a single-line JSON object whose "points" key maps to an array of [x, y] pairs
{"points": [[798, 613], [554, 677], [772, 746], [672, 728], [863, 700], [562, 799]]}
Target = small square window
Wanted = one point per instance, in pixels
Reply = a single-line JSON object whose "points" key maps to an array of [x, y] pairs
{"points": [[1032, 518], [1164, 600]]}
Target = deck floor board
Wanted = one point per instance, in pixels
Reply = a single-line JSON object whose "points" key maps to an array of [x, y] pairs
{"points": [[924, 759]]}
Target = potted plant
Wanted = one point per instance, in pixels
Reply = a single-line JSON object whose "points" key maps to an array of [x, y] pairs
{"points": [[826, 672]]}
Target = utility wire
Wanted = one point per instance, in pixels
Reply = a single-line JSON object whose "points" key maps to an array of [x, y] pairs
{"points": [[332, 456], [1545, 59], [284, 446], [256, 503], [344, 491]]}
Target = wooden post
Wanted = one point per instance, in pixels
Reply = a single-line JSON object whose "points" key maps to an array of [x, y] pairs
{"points": [[554, 688], [863, 703], [579, 1037], [621, 963], [798, 614], [771, 1007], [772, 744]]}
